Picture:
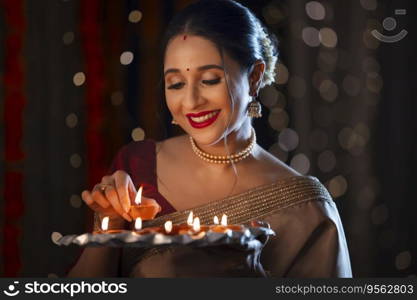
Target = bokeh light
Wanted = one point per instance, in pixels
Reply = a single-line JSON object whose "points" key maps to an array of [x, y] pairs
{"points": [[328, 37], [78, 79], [288, 139], [374, 82], [135, 16], [337, 186], [272, 14], [326, 161], [315, 10], [75, 160], [369, 4], [328, 90], [300, 163], [269, 96], [126, 58], [282, 74], [75, 201], [366, 197], [55, 236], [278, 118], [71, 120], [68, 37], [138, 134], [310, 36], [354, 140], [369, 40], [403, 260]]}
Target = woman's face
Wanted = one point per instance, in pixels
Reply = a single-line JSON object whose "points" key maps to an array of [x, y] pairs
{"points": [[196, 90]]}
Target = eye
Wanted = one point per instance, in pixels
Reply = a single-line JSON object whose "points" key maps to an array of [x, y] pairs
{"points": [[176, 86], [212, 81]]}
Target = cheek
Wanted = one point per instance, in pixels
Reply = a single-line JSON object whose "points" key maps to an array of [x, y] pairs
{"points": [[173, 103]]}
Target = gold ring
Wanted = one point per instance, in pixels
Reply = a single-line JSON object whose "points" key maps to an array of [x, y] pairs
{"points": [[103, 186]]}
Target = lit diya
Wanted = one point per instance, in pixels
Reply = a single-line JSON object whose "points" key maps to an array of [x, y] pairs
{"points": [[146, 209], [192, 227], [104, 228], [223, 227], [189, 233]]}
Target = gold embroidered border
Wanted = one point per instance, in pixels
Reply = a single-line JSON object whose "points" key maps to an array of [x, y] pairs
{"points": [[255, 203]]}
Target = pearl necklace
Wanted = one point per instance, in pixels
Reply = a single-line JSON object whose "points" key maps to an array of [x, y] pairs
{"points": [[227, 159]]}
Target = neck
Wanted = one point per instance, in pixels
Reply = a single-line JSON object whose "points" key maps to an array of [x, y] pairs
{"points": [[237, 140]]}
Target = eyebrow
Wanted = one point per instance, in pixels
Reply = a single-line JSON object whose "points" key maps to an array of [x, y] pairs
{"points": [[201, 68]]}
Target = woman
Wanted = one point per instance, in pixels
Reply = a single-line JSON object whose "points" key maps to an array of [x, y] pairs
{"points": [[217, 56]]}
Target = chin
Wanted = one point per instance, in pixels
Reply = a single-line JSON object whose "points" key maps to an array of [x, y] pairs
{"points": [[207, 137]]}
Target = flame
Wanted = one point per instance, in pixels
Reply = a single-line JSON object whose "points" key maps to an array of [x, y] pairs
{"points": [[105, 223], [190, 218], [216, 220], [138, 223], [196, 224], [224, 220], [168, 226], [138, 198]]}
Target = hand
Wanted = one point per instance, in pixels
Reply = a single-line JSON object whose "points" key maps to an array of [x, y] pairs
{"points": [[114, 196]]}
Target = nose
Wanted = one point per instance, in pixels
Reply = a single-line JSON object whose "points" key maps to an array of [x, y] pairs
{"points": [[193, 98]]}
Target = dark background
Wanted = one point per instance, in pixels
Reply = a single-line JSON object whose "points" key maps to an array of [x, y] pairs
{"points": [[343, 110]]}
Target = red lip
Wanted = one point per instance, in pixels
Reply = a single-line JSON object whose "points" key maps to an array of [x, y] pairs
{"points": [[200, 114], [206, 122]]}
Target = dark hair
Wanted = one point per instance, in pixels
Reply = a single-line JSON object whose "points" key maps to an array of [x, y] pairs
{"points": [[233, 28]]}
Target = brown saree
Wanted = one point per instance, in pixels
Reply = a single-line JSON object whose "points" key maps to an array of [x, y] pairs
{"points": [[309, 241]]}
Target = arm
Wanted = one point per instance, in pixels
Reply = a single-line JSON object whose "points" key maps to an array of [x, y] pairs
{"points": [[97, 262]]}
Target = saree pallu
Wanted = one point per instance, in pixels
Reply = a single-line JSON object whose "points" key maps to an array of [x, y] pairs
{"points": [[309, 241]]}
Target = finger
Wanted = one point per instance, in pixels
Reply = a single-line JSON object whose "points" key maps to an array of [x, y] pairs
{"points": [[132, 192], [98, 196], [107, 180], [149, 201], [112, 196], [89, 200], [122, 182]]}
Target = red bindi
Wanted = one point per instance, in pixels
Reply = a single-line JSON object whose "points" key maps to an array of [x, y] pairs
{"points": [[185, 37], [188, 69]]}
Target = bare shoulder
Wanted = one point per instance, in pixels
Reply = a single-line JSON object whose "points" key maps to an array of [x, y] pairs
{"points": [[273, 167], [171, 146]]}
